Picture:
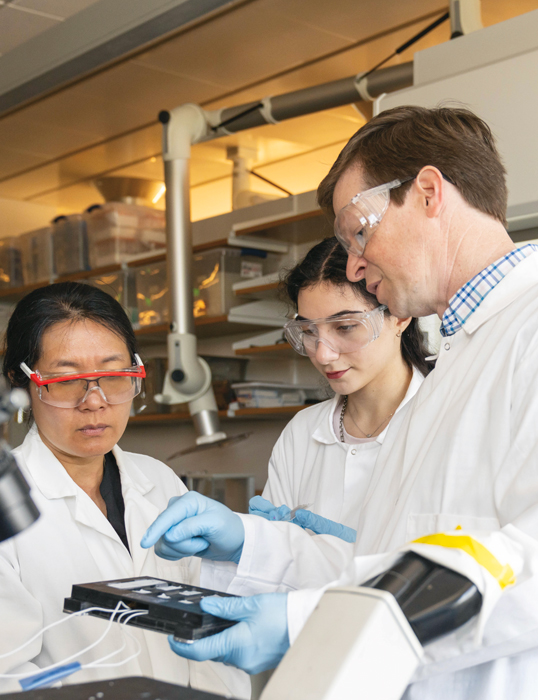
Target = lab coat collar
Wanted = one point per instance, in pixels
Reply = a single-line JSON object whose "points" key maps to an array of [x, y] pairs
{"points": [[518, 281], [131, 475], [48, 474], [324, 429], [53, 480]]}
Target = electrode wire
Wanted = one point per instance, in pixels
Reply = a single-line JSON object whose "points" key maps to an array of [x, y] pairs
{"points": [[97, 663], [73, 656]]}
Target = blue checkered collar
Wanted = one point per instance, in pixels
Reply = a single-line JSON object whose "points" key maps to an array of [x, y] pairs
{"points": [[469, 297]]}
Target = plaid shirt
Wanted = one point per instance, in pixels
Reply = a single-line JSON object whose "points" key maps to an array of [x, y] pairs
{"points": [[469, 297]]}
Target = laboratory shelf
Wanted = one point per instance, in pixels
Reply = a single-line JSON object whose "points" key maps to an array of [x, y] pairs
{"points": [[14, 293], [270, 352], [297, 228], [258, 290], [276, 411], [205, 327], [240, 413]]}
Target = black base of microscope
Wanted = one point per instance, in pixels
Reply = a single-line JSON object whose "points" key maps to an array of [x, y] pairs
{"points": [[133, 688]]}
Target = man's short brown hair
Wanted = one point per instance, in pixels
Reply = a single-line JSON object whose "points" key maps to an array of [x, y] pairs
{"points": [[399, 142]]}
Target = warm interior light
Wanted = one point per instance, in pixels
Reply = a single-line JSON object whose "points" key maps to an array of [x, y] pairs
{"points": [[159, 194]]}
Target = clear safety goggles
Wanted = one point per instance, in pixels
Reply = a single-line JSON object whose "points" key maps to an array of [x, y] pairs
{"points": [[69, 390], [342, 334], [357, 221]]}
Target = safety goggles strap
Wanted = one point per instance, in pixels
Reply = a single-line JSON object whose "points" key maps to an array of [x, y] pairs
{"points": [[138, 371]]}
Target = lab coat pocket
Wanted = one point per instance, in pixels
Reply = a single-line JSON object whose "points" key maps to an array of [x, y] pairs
{"points": [[419, 525]]}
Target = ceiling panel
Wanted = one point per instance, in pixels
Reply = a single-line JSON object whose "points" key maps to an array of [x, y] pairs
{"points": [[101, 159], [116, 101], [264, 47], [340, 65], [16, 27], [14, 159], [47, 140], [241, 46], [59, 8], [355, 20]]}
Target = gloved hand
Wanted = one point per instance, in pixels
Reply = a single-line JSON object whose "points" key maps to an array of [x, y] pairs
{"points": [[194, 525], [304, 518], [265, 509], [324, 526], [258, 642]]}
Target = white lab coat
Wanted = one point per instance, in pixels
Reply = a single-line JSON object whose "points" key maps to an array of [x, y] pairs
{"points": [[73, 542], [463, 453], [309, 464]]}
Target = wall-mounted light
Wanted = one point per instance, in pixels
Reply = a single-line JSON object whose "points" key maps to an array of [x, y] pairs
{"points": [[159, 194]]}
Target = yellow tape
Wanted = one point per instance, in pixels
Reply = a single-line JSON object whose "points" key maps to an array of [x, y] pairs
{"points": [[504, 574]]}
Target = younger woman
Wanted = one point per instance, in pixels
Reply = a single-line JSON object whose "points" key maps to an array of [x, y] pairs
{"points": [[374, 363]]}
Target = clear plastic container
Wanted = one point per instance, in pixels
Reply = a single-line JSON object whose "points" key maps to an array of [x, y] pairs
{"points": [[122, 286], [6, 309], [10, 263], [153, 384], [70, 244], [118, 232], [37, 255], [215, 272], [152, 294]]}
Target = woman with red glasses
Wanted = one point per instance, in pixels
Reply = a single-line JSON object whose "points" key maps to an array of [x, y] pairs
{"points": [[72, 347]]}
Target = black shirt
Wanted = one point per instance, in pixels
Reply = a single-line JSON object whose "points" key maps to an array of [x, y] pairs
{"points": [[112, 496]]}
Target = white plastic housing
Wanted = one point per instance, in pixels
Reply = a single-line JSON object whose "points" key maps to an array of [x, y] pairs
{"points": [[356, 645]]}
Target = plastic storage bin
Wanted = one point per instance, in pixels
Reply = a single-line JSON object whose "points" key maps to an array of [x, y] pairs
{"points": [[216, 271], [6, 309], [118, 232], [70, 244], [122, 286], [152, 294], [10, 263], [37, 255]]}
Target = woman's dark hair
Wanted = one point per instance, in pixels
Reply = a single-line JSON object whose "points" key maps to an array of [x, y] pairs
{"points": [[326, 262], [44, 307]]}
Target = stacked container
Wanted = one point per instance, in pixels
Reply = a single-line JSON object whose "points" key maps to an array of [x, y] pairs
{"points": [[122, 286], [70, 244], [118, 232], [214, 273], [10, 263], [152, 294], [37, 255]]}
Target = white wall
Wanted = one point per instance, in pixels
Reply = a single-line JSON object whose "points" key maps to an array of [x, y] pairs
{"points": [[18, 217], [250, 456]]}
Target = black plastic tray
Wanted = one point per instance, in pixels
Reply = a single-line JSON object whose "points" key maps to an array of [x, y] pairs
{"points": [[173, 608]]}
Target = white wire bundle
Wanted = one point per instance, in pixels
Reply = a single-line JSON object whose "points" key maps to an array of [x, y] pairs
{"points": [[128, 614]]}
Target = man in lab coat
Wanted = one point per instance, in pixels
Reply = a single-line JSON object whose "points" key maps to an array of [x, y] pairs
{"points": [[419, 199]]}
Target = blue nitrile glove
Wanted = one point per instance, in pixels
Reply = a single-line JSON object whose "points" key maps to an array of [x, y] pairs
{"points": [[194, 525], [265, 509], [324, 526], [304, 518], [258, 642]]}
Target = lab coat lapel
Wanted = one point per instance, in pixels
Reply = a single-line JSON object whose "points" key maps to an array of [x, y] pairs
{"points": [[140, 512], [54, 482]]}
